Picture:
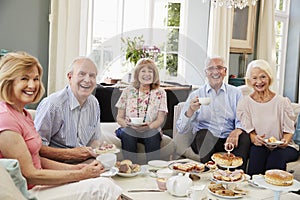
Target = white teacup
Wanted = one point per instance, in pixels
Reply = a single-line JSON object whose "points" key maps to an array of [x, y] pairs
{"points": [[108, 160], [204, 100], [196, 192], [137, 120]]}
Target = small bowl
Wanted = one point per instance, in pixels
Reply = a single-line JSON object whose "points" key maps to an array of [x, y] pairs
{"points": [[204, 100], [137, 120]]}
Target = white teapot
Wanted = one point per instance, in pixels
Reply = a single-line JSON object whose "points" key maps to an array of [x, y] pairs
{"points": [[179, 185]]}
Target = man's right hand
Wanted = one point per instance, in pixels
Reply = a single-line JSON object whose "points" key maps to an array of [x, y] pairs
{"points": [[194, 105]]}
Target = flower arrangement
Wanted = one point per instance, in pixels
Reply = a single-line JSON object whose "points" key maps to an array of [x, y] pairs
{"points": [[135, 49]]}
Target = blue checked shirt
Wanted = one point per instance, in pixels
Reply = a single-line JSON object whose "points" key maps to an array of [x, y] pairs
{"points": [[219, 117], [61, 121]]}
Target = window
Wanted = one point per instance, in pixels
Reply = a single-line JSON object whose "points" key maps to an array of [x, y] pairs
{"points": [[158, 21], [282, 8]]}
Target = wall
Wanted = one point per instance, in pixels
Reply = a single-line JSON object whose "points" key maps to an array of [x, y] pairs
{"points": [[25, 27], [291, 83]]}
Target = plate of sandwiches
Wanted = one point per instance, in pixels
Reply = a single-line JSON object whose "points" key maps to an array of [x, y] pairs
{"points": [[106, 148], [188, 166]]}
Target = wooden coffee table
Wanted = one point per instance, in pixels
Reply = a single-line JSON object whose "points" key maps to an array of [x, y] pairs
{"points": [[145, 181]]}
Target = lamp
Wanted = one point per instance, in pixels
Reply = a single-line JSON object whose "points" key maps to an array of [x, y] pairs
{"points": [[232, 3]]}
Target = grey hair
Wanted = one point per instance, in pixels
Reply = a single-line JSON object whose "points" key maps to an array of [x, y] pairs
{"points": [[71, 66], [208, 59]]}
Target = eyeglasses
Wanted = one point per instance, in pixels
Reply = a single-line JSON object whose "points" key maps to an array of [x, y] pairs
{"points": [[213, 68]]}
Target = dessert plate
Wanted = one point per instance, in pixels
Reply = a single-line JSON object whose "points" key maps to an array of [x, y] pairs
{"points": [[133, 124], [108, 151], [221, 181], [112, 172], [171, 166], [273, 143], [261, 182], [158, 163]]}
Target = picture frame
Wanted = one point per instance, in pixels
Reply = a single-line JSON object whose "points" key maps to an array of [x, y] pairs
{"points": [[243, 30]]}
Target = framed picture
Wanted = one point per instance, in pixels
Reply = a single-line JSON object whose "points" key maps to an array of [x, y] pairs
{"points": [[243, 29]]}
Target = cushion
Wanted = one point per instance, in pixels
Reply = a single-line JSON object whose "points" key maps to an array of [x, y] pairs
{"points": [[13, 168], [7, 187]]}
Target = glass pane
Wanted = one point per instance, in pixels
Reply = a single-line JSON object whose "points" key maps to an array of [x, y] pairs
{"points": [[105, 20], [174, 14], [278, 28], [173, 37], [172, 64], [135, 15]]}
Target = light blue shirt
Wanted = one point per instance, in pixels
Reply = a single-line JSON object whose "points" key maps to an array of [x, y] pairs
{"points": [[219, 117], [61, 121]]}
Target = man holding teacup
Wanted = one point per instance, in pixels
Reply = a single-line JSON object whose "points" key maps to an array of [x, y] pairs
{"points": [[210, 113]]}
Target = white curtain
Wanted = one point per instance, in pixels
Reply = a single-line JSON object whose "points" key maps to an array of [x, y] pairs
{"points": [[266, 48], [220, 31], [66, 36]]}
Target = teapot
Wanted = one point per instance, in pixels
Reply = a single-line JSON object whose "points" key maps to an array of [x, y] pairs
{"points": [[179, 185]]}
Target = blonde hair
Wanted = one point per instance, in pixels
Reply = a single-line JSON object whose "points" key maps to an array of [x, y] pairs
{"points": [[12, 65], [261, 64], [150, 64]]}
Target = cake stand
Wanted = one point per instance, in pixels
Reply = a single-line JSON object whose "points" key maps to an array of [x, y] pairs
{"points": [[276, 189]]}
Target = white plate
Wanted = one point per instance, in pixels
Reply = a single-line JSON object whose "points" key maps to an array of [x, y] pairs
{"points": [[142, 124], [142, 171], [184, 162], [129, 174], [237, 196], [273, 143], [112, 172], [219, 181], [158, 163], [110, 151], [261, 182]]}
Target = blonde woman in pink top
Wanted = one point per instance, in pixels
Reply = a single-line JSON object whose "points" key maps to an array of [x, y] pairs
{"points": [[20, 84], [265, 114]]}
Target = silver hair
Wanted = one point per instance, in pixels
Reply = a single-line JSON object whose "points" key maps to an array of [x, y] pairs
{"points": [[208, 59], [71, 66], [261, 64]]}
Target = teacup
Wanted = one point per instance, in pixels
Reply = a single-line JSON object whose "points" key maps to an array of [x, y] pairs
{"points": [[196, 192], [137, 120], [204, 100], [108, 160]]}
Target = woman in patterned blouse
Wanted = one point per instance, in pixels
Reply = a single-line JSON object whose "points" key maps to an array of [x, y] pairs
{"points": [[143, 99]]}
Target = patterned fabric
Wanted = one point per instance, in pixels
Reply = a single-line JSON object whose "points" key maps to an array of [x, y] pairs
{"points": [[10, 119], [61, 121], [134, 104]]}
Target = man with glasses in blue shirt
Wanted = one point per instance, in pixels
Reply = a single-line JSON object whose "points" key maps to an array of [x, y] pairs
{"points": [[214, 124]]}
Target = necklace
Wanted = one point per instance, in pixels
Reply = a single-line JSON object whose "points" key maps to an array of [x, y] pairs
{"points": [[147, 105]]}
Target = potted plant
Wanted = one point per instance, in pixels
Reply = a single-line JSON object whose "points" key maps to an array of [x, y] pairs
{"points": [[135, 49]]}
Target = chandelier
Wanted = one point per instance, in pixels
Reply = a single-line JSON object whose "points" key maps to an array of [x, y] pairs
{"points": [[232, 3]]}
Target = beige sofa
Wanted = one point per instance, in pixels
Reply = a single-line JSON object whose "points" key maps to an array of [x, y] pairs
{"points": [[182, 141], [108, 135]]}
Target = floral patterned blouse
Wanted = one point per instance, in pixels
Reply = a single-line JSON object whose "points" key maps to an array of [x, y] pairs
{"points": [[138, 103]]}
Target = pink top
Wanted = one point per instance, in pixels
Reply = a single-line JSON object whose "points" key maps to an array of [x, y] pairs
{"points": [[271, 118], [129, 101], [10, 119]]}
